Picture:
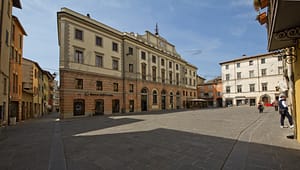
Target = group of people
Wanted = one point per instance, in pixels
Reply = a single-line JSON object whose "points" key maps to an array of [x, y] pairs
{"points": [[282, 107]]}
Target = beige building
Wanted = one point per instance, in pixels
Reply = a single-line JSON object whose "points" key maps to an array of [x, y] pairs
{"points": [[15, 94], [104, 71], [5, 46], [251, 79], [32, 87]]}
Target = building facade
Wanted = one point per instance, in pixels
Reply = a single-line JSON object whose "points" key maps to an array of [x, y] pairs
{"points": [[5, 46], [249, 80], [105, 71], [211, 92], [283, 24], [15, 77], [32, 87]]}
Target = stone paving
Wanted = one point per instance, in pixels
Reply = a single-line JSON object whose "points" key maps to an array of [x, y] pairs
{"points": [[226, 138]]}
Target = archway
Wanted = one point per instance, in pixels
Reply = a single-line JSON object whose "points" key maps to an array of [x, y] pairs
{"points": [[163, 99], [144, 99]]}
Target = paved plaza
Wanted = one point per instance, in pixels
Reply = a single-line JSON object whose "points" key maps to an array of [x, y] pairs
{"points": [[226, 138]]}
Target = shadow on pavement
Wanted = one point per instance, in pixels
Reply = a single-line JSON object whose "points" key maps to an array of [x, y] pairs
{"points": [[170, 149]]}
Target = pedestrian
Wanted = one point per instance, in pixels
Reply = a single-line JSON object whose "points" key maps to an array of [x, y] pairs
{"points": [[275, 104], [284, 111], [260, 107]]}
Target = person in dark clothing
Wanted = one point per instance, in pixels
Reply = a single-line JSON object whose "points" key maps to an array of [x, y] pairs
{"points": [[260, 107], [284, 111]]}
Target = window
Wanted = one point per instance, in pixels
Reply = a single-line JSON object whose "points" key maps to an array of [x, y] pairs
{"points": [[154, 73], [116, 87], [78, 34], [226, 67], [13, 33], [177, 78], [238, 75], [264, 86], [227, 89], [115, 64], [280, 70], [171, 99], [162, 62], [250, 62], [252, 87], [6, 37], [170, 64], [5, 86], [99, 61], [263, 61], [170, 77], [238, 65], [20, 41], [131, 68], [153, 59], [98, 41], [163, 76], [8, 9], [154, 97], [78, 84], [218, 94], [177, 67], [130, 51], [227, 77], [35, 74], [115, 47], [99, 85], [263, 72], [280, 58], [144, 71], [78, 107], [78, 57], [251, 73], [131, 88], [239, 88], [143, 55]]}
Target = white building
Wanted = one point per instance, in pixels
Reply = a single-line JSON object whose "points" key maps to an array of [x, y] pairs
{"points": [[248, 80]]}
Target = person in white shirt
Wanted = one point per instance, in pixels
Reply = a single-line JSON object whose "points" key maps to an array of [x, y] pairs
{"points": [[284, 111]]}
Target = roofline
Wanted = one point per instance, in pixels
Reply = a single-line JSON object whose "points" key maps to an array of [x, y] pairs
{"points": [[18, 22], [250, 57], [34, 62]]}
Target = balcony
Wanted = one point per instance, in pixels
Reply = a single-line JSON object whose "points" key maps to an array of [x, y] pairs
{"points": [[283, 24]]}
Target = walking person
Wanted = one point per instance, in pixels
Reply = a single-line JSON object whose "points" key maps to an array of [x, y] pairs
{"points": [[260, 107], [284, 111], [275, 104]]}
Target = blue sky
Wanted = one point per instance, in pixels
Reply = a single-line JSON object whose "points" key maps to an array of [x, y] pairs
{"points": [[204, 32]]}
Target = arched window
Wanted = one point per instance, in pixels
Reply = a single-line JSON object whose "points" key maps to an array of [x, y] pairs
{"points": [[171, 98], [154, 97]]}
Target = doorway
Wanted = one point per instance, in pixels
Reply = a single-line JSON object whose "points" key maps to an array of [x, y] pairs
{"points": [[115, 106], [144, 99], [99, 107], [163, 99]]}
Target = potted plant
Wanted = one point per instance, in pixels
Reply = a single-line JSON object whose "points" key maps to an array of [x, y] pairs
{"points": [[262, 18]]}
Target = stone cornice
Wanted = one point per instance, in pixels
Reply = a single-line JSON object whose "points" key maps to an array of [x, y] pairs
{"points": [[288, 34]]}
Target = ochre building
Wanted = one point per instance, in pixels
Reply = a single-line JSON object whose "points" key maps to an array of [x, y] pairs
{"points": [[105, 71]]}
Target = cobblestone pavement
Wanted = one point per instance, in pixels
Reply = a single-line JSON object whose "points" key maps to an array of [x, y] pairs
{"points": [[226, 138]]}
